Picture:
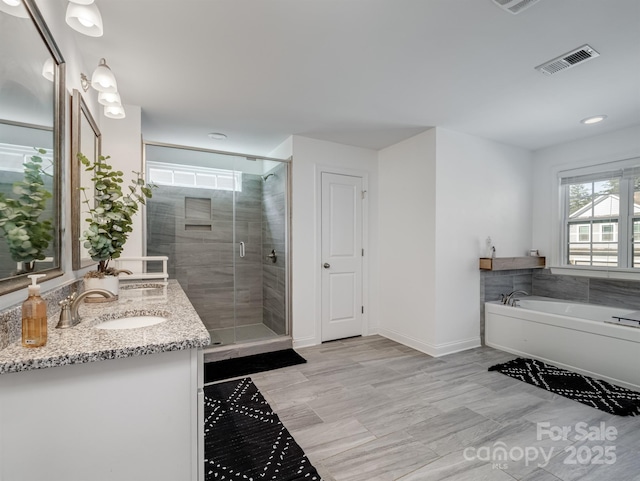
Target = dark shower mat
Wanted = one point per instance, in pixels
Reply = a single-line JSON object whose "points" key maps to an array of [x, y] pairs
{"points": [[241, 366]]}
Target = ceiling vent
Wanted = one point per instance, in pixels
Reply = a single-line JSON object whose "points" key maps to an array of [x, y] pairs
{"points": [[568, 60], [514, 6]]}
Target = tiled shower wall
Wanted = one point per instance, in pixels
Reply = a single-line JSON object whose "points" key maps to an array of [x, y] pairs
{"points": [[273, 238], [195, 228], [540, 282]]}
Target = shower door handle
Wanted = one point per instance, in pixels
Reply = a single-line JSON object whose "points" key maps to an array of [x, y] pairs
{"points": [[242, 252]]}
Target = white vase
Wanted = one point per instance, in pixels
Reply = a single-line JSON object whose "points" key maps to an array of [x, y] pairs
{"points": [[109, 283]]}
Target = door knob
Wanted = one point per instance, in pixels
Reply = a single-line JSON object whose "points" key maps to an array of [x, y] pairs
{"points": [[326, 265]]}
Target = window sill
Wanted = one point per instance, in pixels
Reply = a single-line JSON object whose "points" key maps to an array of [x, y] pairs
{"points": [[622, 274]]}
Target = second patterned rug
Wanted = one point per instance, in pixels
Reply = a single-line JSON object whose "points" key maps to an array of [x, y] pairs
{"points": [[245, 439]]}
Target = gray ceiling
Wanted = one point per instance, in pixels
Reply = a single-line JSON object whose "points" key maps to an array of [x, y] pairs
{"points": [[368, 72]]}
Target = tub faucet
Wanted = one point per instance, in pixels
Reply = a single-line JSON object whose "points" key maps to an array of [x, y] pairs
{"points": [[506, 300], [69, 316]]}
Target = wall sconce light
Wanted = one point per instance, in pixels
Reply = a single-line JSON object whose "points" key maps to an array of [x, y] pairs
{"points": [[105, 83], [103, 79], [47, 69], [83, 16], [14, 7]]}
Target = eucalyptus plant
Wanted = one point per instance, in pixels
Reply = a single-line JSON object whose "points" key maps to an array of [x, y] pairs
{"points": [[27, 235], [111, 212]]}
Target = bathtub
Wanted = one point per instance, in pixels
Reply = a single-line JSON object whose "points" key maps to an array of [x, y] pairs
{"points": [[571, 335]]}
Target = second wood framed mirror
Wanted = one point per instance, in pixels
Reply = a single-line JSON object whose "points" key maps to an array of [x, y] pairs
{"points": [[85, 138]]}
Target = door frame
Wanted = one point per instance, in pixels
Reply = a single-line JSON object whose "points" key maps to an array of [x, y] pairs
{"points": [[364, 175]]}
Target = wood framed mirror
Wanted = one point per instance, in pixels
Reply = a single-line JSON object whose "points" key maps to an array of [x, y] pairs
{"points": [[32, 126], [85, 138]]}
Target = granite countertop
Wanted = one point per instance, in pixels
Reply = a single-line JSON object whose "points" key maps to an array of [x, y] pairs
{"points": [[83, 343]]}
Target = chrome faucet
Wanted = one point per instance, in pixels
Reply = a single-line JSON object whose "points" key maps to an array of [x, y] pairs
{"points": [[507, 300], [69, 316]]}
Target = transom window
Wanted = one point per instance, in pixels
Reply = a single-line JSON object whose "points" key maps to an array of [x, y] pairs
{"points": [[188, 176], [13, 157], [601, 217]]}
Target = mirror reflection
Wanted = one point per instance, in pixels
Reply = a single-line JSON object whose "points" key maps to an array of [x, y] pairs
{"points": [[26, 202], [28, 164], [85, 138]]}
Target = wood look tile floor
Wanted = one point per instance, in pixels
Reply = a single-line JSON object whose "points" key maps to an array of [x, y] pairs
{"points": [[368, 409]]}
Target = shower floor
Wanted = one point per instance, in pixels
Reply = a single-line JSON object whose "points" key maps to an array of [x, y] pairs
{"points": [[248, 333]]}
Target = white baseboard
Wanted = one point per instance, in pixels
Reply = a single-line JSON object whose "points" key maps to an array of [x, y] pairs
{"points": [[435, 350], [305, 342]]}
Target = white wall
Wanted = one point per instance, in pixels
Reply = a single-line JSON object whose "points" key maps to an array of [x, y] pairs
{"points": [[483, 189], [408, 241], [618, 145], [284, 150], [309, 156], [461, 190], [122, 141]]}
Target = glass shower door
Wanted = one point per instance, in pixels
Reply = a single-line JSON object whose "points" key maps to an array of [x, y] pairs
{"points": [[222, 220], [260, 253]]}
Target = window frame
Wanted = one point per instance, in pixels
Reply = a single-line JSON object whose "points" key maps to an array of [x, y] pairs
{"points": [[627, 170], [197, 173]]}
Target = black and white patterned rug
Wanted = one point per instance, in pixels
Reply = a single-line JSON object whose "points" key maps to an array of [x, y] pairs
{"points": [[245, 440], [586, 390]]}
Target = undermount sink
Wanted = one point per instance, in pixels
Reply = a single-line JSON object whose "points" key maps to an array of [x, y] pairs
{"points": [[131, 322]]}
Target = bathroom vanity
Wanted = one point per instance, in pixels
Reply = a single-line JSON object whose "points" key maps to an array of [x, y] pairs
{"points": [[108, 404]]}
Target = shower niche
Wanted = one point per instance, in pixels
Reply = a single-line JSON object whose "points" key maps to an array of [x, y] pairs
{"points": [[223, 221]]}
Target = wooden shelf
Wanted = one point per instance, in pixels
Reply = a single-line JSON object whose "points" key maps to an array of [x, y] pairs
{"points": [[508, 263]]}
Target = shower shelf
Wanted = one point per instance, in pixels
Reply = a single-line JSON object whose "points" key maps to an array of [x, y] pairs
{"points": [[508, 263]]}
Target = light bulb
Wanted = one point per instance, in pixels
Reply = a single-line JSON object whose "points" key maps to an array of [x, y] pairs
{"points": [[109, 98], [114, 111], [85, 19], [48, 70], [85, 22], [103, 79], [14, 7]]}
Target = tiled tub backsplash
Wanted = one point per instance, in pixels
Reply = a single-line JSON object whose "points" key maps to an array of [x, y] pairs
{"points": [[494, 283], [11, 318], [540, 282]]}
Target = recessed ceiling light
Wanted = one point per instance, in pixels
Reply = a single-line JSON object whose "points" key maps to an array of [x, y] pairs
{"points": [[593, 120], [217, 136]]}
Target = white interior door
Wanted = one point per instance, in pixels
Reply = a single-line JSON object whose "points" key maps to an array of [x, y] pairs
{"points": [[341, 256]]}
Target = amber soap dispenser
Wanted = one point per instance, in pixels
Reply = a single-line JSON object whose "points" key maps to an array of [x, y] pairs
{"points": [[34, 316]]}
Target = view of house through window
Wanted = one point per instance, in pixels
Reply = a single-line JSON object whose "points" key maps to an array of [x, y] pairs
{"points": [[602, 219]]}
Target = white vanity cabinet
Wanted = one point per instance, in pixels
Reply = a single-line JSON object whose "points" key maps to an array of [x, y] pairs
{"points": [[123, 419], [107, 405]]}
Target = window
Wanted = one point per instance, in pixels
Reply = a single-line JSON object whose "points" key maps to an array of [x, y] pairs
{"points": [[188, 176], [636, 242], [601, 215], [607, 233], [584, 233], [13, 157]]}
